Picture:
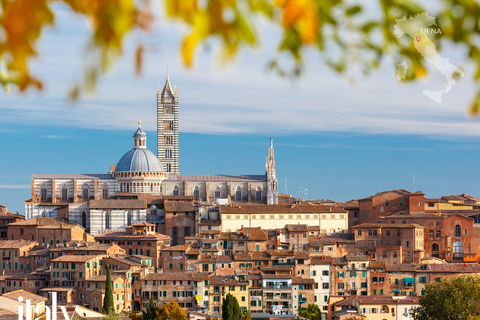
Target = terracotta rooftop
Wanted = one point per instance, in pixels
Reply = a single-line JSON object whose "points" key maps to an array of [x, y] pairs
{"points": [[184, 276], [324, 260], [143, 224], [401, 192], [15, 244], [388, 225], [365, 300], [180, 247], [377, 265], [245, 234], [400, 268], [73, 258], [299, 280], [296, 227], [45, 222], [278, 208], [124, 260], [34, 299], [215, 258], [451, 268], [247, 256], [180, 206]]}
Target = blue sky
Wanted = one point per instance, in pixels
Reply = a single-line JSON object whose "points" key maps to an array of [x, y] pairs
{"points": [[338, 140]]}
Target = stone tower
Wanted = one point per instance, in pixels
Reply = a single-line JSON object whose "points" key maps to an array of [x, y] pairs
{"points": [[272, 184], [167, 128]]}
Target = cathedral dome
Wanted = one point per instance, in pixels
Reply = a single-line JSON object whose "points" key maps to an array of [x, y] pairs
{"points": [[139, 159]]}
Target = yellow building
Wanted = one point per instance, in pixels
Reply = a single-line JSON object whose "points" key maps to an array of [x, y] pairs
{"points": [[329, 219], [221, 286]]}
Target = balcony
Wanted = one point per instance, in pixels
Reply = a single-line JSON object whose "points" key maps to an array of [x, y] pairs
{"points": [[280, 287], [278, 298]]}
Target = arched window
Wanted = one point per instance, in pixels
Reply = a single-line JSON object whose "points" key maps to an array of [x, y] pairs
{"points": [[168, 154], [84, 219], [217, 193], [238, 194], [64, 192], [438, 234], [43, 192], [104, 191], [457, 250], [168, 167], [129, 218], [384, 309], [108, 220], [431, 234], [85, 191], [196, 193], [258, 194], [458, 231], [175, 191]]}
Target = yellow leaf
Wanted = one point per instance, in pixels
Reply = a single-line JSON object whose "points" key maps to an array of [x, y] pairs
{"points": [[188, 47]]}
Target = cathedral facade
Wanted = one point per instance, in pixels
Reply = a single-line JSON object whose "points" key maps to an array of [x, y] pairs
{"points": [[112, 201]]}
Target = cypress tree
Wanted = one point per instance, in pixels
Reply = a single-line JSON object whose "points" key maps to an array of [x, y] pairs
{"points": [[108, 307], [230, 308], [150, 310]]}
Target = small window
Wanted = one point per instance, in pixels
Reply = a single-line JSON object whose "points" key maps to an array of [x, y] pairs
{"points": [[387, 203]]}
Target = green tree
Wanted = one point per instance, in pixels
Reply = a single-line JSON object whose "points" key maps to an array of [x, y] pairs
{"points": [[150, 310], [311, 312], [171, 311], [108, 307], [319, 26], [231, 309], [457, 298]]}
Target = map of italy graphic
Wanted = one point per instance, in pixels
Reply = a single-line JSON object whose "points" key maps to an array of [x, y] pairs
{"points": [[417, 28]]}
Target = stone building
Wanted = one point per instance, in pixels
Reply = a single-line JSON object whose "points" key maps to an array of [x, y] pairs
{"points": [[112, 201]]}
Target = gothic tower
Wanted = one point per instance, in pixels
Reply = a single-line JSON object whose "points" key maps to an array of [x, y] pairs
{"points": [[167, 127], [272, 184]]}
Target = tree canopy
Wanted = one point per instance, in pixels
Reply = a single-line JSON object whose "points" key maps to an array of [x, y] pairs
{"points": [[346, 35], [231, 309], [312, 312], [457, 298], [170, 311], [108, 307]]}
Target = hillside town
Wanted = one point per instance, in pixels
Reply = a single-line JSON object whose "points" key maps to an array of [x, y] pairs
{"points": [[366, 256], [194, 239]]}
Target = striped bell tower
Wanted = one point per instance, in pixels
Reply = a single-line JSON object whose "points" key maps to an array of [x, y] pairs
{"points": [[167, 127]]}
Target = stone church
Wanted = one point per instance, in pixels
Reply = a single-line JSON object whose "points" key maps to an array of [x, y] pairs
{"points": [[122, 197]]}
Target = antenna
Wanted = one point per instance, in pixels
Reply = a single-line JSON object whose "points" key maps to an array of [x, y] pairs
{"points": [[286, 188]]}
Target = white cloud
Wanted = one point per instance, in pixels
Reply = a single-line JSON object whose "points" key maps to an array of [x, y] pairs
{"points": [[244, 98]]}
